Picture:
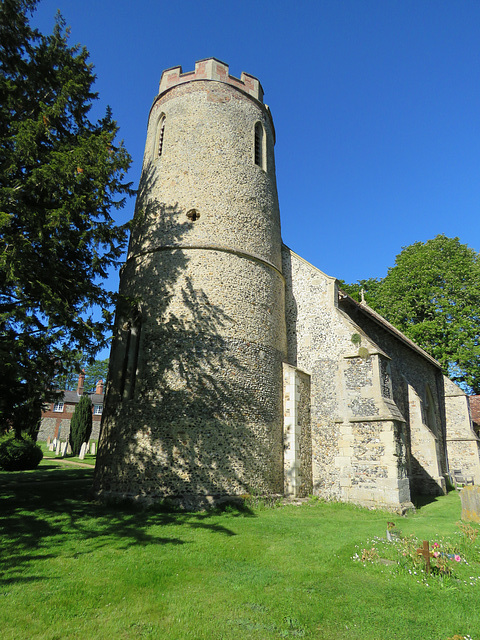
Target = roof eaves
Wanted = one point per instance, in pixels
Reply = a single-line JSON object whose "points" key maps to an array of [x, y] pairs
{"points": [[380, 320]]}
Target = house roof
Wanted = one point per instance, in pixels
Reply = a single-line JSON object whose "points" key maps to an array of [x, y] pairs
{"points": [[72, 397], [380, 320]]}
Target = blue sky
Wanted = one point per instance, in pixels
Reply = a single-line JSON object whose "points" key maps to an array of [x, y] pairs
{"points": [[376, 105]]}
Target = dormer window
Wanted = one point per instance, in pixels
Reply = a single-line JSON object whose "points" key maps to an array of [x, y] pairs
{"points": [[259, 146]]}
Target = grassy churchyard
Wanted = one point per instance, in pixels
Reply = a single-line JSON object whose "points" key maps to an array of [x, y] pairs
{"points": [[71, 568]]}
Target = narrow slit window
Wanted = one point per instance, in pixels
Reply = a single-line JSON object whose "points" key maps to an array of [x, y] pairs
{"points": [[259, 151], [160, 136], [130, 363]]}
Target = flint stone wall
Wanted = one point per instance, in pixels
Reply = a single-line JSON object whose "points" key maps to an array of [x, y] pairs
{"points": [[411, 375], [358, 446], [194, 404], [462, 441]]}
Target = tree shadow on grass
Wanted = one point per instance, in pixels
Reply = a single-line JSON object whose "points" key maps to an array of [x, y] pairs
{"points": [[37, 518], [45, 473]]}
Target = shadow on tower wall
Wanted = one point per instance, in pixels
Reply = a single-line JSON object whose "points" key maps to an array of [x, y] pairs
{"points": [[191, 410]]}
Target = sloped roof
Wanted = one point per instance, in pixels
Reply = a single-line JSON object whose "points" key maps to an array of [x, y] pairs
{"points": [[72, 397], [380, 320]]}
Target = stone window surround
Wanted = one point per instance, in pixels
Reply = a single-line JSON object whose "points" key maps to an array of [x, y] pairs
{"points": [[259, 146]]}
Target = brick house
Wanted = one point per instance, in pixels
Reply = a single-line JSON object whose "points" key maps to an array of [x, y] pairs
{"points": [[57, 415], [474, 402]]}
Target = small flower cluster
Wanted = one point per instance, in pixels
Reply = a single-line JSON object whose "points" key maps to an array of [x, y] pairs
{"points": [[445, 556]]}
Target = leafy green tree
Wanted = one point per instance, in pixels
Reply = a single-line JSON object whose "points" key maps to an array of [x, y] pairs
{"points": [[432, 294], [94, 371], [61, 176], [368, 287], [81, 424]]}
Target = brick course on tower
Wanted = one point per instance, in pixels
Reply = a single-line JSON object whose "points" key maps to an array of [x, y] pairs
{"points": [[238, 367]]}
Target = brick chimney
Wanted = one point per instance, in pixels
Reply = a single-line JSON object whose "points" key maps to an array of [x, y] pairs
{"points": [[99, 388], [81, 383]]}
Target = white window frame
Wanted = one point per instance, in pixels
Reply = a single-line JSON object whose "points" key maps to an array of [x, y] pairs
{"points": [[58, 407], [97, 409]]}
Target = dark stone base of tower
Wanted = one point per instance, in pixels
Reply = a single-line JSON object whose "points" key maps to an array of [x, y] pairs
{"points": [[238, 367]]}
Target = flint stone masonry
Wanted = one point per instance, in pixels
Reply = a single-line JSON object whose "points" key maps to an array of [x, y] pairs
{"points": [[462, 442], [237, 366], [205, 347], [56, 424]]}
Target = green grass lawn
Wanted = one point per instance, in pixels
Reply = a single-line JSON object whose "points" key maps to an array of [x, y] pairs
{"points": [[74, 569], [51, 455]]}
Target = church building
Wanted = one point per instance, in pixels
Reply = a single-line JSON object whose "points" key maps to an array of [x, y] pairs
{"points": [[236, 366]]}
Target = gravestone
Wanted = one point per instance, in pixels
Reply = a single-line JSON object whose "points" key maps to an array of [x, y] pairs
{"points": [[470, 497], [69, 448], [48, 441], [83, 451], [51, 447], [92, 448], [57, 448], [64, 449]]}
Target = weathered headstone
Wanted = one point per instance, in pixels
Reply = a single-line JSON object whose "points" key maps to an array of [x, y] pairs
{"points": [[64, 449], [51, 447], [83, 451], [57, 448], [92, 448], [470, 497]]}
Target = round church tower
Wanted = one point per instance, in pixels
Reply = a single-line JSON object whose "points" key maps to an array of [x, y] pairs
{"points": [[194, 401]]}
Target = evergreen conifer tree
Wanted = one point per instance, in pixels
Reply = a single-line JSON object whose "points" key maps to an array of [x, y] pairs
{"points": [[61, 177], [81, 424]]}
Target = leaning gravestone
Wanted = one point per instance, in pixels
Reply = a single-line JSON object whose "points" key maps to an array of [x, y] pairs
{"points": [[57, 448], [470, 497], [64, 449], [83, 451]]}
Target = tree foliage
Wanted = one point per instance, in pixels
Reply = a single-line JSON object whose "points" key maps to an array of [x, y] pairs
{"points": [[94, 371], [432, 295], [81, 424], [19, 454], [366, 288], [61, 176]]}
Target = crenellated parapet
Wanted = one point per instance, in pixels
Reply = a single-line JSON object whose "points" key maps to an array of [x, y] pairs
{"points": [[211, 69]]}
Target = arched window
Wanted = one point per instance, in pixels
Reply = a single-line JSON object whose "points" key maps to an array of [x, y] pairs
{"points": [[160, 134], [259, 146]]}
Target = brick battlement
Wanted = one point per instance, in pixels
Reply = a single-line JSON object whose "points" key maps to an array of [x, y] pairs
{"points": [[211, 69]]}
